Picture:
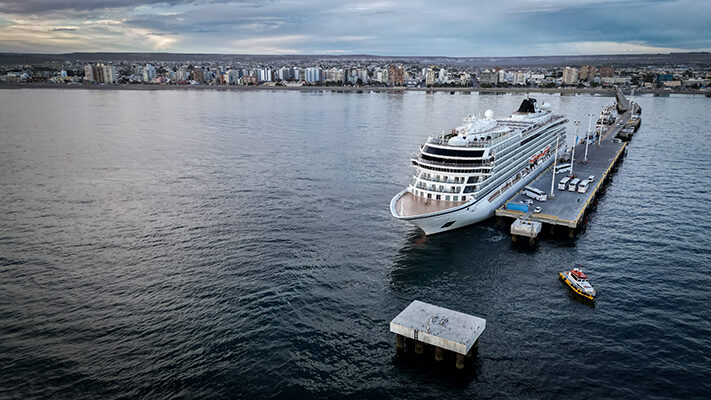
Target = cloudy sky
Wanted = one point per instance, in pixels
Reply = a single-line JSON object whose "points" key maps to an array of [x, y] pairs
{"points": [[405, 27]]}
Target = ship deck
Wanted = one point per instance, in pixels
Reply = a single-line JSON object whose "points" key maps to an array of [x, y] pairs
{"points": [[409, 205]]}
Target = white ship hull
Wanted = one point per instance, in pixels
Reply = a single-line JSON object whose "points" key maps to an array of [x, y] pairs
{"points": [[469, 213]]}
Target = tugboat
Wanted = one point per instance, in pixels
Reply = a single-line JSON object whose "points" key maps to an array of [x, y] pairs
{"points": [[578, 282]]}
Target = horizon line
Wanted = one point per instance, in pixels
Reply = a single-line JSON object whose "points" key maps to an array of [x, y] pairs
{"points": [[348, 55]]}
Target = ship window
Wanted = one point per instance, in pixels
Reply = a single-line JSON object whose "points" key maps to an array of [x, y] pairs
{"points": [[453, 160], [439, 197], [456, 198], [429, 195], [446, 198], [528, 139], [452, 152], [448, 224], [471, 179], [469, 189]]}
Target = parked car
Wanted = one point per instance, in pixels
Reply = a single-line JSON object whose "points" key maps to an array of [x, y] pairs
{"points": [[537, 210], [591, 178]]}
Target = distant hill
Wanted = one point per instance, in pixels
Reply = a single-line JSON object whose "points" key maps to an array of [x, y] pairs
{"points": [[695, 58]]}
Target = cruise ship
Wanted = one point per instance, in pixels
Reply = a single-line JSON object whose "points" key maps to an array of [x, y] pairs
{"points": [[462, 176]]}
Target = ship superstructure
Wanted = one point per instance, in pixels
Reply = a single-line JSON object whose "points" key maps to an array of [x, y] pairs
{"points": [[463, 175]]}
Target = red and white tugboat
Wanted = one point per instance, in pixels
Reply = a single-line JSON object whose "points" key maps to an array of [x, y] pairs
{"points": [[578, 282]]}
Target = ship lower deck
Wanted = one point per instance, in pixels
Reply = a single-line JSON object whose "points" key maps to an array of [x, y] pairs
{"points": [[409, 205]]}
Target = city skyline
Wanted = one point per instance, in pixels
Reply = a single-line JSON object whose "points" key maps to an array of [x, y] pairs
{"points": [[457, 29]]}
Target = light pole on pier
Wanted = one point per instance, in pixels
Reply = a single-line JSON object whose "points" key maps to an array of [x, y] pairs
{"points": [[587, 136], [555, 159], [572, 158]]}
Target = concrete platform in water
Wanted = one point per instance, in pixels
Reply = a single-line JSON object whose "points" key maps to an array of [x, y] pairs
{"points": [[444, 329]]}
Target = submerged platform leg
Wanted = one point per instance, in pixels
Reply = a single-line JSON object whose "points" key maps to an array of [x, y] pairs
{"points": [[400, 343], [460, 361], [571, 233], [419, 347], [439, 354]]}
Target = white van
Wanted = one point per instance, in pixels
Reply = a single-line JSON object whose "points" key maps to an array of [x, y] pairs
{"points": [[583, 186], [563, 184], [573, 185]]}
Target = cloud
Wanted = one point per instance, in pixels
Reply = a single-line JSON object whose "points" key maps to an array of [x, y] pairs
{"points": [[416, 27], [41, 7]]}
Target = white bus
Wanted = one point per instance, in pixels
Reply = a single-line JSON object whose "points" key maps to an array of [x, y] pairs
{"points": [[561, 168], [534, 193], [573, 185], [583, 186], [563, 184]]}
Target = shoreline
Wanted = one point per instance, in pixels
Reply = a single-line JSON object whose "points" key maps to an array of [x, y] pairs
{"points": [[394, 89]]}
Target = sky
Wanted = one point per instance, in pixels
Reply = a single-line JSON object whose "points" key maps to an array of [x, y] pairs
{"points": [[484, 28]]}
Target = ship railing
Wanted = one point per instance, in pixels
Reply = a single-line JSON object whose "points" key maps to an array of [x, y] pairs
{"points": [[449, 181], [472, 144], [438, 190], [446, 164]]}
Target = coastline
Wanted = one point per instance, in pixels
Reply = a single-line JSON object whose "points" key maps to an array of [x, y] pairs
{"points": [[361, 89]]}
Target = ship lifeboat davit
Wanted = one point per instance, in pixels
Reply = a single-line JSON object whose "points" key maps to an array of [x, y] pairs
{"points": [[577, 281]]}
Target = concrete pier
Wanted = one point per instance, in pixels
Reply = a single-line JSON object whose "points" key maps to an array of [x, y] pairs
{"points": [[568, 209], [439, 327]]}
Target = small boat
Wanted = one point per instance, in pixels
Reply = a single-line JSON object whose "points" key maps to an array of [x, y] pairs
{"points": [[578, 282]]}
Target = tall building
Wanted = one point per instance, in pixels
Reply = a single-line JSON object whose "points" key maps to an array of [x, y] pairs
{"points": [[231, 77], [442, 76], [334, 75], [607, 71], [570, 76], [89, 73], [109, 72], [587, 72], [520, 78], [149, 72], [284, 73], [363, 75], [312, 75], [98, 72], [489, 78], [429, 77], [182, 74], [352, 76], [264, 74], [197, 75], [396, 75]]}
